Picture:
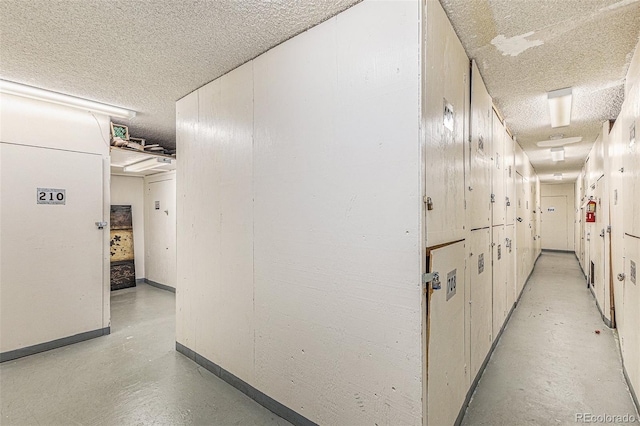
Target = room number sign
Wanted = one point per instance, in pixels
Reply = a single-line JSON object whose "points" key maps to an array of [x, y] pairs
{"points": [[51, 196]]}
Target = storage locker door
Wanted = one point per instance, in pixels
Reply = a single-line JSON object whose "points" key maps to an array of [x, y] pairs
{"points": [[447, 372], [51, 254], [631, 137], [498, 178], [510, 255], [521, 227], [479, 268], [499, 279], [510, 176], [479, 189], [447, 78], [630, 341]]}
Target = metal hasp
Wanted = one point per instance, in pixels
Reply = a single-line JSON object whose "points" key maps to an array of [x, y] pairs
{"points": [[101, 225], [429, 202], [433, 278], [620, 277], [493, 198], [508, 202]]}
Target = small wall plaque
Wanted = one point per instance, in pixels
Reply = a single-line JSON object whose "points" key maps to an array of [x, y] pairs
{"points": [[51, 196]]}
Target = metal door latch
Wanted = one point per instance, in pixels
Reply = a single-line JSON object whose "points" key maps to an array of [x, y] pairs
{"points": [[101, 225], [429, 202], [508, 202], [493, 198], [433, 278], [620, 277]]}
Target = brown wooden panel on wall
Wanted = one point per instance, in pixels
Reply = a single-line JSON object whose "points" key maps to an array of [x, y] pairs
{"points": [[123, 273]]}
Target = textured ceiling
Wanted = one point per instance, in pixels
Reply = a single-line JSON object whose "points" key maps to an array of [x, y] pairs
{"points": [[144, 55], [525, 48]]}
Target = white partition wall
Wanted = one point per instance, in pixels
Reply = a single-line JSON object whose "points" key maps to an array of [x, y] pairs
{"points": [[299, 239]]}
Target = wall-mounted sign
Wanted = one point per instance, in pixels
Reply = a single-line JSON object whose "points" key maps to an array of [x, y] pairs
{"points": [[51, 196], [551, 209], [633, 272], [481, 264], [157, 205], [632, 135]]}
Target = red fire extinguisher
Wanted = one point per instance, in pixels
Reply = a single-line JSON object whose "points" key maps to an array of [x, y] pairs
{"points": [[591, 211]]}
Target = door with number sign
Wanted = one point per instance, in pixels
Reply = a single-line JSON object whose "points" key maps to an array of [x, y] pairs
{"points": [[51, 251]]}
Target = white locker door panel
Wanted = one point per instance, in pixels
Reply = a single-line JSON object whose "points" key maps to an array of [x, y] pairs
{"points": [[510, 176], [51, 255], [630, 338], [479, 269], [447, 377], [509, 251], [160, 257], [498, 177], [445, 123], [499, 279], [521, 228], [629, 120], [479, 189]]}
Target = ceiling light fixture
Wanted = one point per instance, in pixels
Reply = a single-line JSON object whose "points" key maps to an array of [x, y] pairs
{"points": [[559, 142], [149, 163], [557, 154], [557, 176], [31, 92], [560, 107]]}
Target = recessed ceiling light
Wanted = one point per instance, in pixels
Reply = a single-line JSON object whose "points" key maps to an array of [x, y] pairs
{"points": [[560, 107], [559, 142], [557, 154]]}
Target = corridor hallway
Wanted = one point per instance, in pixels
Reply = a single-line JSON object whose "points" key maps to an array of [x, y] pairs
{"points": [[134, 376], [550, 364]]}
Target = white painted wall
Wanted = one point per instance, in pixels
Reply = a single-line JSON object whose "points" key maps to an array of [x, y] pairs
{"points": [[62, 141], [160, 228], [129, 190], [557, 231], [300, 219]]}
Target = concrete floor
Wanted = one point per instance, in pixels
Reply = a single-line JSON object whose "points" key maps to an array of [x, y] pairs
{"points": [[550, 364], [132, 377]]}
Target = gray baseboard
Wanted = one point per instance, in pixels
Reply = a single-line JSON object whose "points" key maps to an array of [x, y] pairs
{"points": [[606, 321], [476, 380], [244, 387], [53, 344], [560, 251], [634, 396], [155, 284]]}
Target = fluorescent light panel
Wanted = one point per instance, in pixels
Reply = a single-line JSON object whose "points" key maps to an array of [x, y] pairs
{"points": [[560, 107], [31, 92], [559, 142], [557, 176], [557, 154], [149, 163]]}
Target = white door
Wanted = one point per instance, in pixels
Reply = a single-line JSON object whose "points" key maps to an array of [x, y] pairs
{"points": [[51, 251], [447, 372], [555, 231], [160, 245]]}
